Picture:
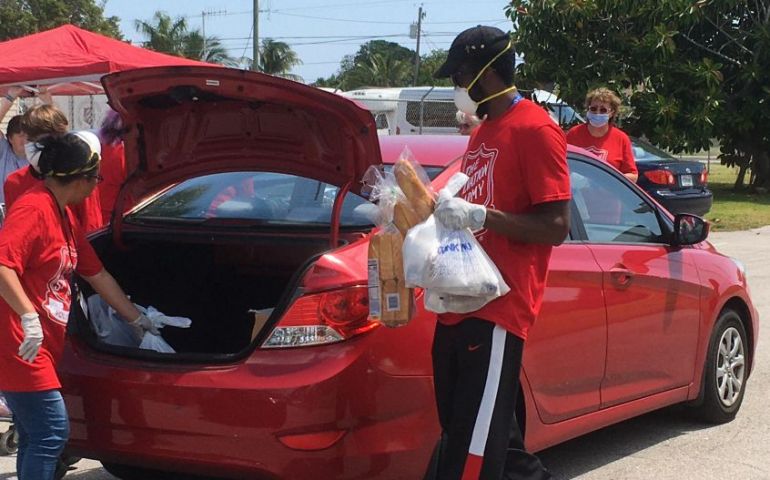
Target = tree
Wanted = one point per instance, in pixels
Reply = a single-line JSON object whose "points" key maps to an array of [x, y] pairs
{"points": [[380, 63], [172, 36], [689, 70], [23, 17], [277, 58]]}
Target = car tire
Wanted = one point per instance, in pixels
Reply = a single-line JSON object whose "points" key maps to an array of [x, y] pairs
{"points": [[726, 370], [9, 441]]}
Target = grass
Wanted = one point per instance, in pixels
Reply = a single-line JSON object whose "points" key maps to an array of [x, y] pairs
{"points": [[735, 210]]}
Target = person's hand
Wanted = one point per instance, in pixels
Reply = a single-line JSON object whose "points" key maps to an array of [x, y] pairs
{"points": [[153, 321], [13, 93], [142, 324], [33, 336], [44, 95], [456, 214]]}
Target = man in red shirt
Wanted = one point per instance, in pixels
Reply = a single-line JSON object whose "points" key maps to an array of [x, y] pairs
{"points": [[517, 201], [601, 137]]}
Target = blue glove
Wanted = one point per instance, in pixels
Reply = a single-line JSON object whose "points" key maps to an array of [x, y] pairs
{"points": [[456, 214]]}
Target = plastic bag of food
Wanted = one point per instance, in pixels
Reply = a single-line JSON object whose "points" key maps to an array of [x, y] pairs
{"points": [[390, 301], [451, 265], [419, 199]]}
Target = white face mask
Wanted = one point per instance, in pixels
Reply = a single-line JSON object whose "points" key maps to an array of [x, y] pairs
{"points": [[464, 102], [33, 154]]}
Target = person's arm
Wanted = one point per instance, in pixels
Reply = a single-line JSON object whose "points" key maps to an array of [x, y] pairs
{"points": [[548, 223], [629, 161], [6, 102], [13, 293], [105, 285]]}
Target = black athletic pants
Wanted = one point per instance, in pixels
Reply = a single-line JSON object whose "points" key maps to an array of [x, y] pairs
{"points": [[476, 368]]}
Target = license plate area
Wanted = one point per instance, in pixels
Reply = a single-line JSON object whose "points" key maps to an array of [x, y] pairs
{"points": [[685, 180]]}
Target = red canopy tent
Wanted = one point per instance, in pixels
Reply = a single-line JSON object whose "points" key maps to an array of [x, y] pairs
{"points": [[70, 60]]}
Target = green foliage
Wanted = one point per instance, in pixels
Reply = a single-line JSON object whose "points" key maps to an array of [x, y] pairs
{"points": [[380, 63], [278, 58], [172, 36], [23, 17], [689, 70]]}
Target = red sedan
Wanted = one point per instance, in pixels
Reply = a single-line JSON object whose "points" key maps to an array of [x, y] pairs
{"points": [[245, 198]]}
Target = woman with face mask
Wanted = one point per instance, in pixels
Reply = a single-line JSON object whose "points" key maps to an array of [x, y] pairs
{"points": [[601, 137]]}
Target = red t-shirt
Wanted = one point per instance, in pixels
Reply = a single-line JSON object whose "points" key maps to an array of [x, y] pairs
{"points": [[33, 244], [88, 213], [614, 147], [113, 169], [515, 162]]}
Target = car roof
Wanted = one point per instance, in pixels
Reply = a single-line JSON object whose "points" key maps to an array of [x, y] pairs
{"points": [[437, 150], [428, 150]]}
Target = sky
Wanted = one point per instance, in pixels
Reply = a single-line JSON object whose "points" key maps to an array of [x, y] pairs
{"points": [[322, 32]]}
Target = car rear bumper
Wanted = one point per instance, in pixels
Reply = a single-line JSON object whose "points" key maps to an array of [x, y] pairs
{"points": [[696, 203], [293, 414]]}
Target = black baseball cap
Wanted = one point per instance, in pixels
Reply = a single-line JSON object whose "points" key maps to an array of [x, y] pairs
{"points": [[477, 46]]}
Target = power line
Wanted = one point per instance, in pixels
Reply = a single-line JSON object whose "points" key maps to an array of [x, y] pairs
{"points": [[341, 5], [348, 20]]}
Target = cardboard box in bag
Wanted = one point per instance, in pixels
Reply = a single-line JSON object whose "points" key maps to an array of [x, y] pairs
{"points": [[390, 302]]}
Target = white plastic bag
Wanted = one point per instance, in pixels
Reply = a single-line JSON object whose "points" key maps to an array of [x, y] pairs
{"points": [[113, 330], [457, 274]]}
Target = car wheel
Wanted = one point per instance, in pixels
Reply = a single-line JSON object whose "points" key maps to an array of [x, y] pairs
{"points": [[726, 370], [9, 442]]}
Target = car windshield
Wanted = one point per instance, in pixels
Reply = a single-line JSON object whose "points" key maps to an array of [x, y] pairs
{"points": [[646, 152], [256, 198]]}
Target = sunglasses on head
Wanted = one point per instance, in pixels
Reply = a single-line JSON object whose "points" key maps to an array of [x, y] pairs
{"points": [[594, 109]]}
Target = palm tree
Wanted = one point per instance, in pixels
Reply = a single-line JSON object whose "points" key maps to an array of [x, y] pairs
{"points": [[164, 34], [379, 70], [172, 37], [213, 51], [277, 58]]}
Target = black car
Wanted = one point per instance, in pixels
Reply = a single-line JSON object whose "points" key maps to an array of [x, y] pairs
{"points": [[678, 185]]}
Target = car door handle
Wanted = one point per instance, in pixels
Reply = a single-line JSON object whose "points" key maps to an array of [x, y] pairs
{"points": [[621, 276]]}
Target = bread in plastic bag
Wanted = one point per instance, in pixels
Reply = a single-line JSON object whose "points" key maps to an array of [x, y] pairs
{"points": [[390, 301]]}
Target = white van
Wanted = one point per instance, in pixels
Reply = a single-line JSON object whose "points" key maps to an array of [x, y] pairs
{"points": [[431, 110]]}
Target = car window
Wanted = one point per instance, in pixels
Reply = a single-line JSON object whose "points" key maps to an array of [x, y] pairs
{"points": [[611, 211], [264, 197], [646, 152]]}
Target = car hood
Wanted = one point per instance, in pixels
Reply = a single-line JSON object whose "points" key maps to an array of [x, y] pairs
{"points": [[189, 121]]}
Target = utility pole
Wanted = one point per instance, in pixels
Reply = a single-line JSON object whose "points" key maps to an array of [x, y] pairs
{"points": [[255, 54], [420, 16], [203, 24]]}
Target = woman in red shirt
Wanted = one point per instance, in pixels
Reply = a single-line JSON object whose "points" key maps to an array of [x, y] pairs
{"points": [[601, 137], [41, 246]]}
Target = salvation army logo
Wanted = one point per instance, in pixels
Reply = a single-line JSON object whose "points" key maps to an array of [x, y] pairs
{"points": [[479, 165], [58, 292], [599, 152]]}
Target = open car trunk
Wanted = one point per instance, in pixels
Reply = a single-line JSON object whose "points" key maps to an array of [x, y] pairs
{"points": [[216, 285]]}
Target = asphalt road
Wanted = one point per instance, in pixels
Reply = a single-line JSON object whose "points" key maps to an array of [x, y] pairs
{"points": [[661, 445]]}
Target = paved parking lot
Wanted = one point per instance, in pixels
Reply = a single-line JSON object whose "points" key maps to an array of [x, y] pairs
{"points": [[662, 445]]}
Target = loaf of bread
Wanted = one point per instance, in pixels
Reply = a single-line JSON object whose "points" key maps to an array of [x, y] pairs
{"points": [[404, 216], [390, 302], [416, 191]]}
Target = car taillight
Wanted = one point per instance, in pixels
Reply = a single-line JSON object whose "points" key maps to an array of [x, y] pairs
{"points": [[323, 318], [704, 177], [660, 177]]}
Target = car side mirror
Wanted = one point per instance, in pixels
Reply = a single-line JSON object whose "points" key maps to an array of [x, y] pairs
{"points": [[689, 229]]}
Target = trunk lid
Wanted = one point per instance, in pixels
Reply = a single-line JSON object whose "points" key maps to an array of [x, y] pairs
{"points": [[197, 120]]}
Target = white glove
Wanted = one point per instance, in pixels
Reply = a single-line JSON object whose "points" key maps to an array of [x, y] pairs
{"points": [[456, 214], [153, 320], [33, 336], [143, 323]]}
